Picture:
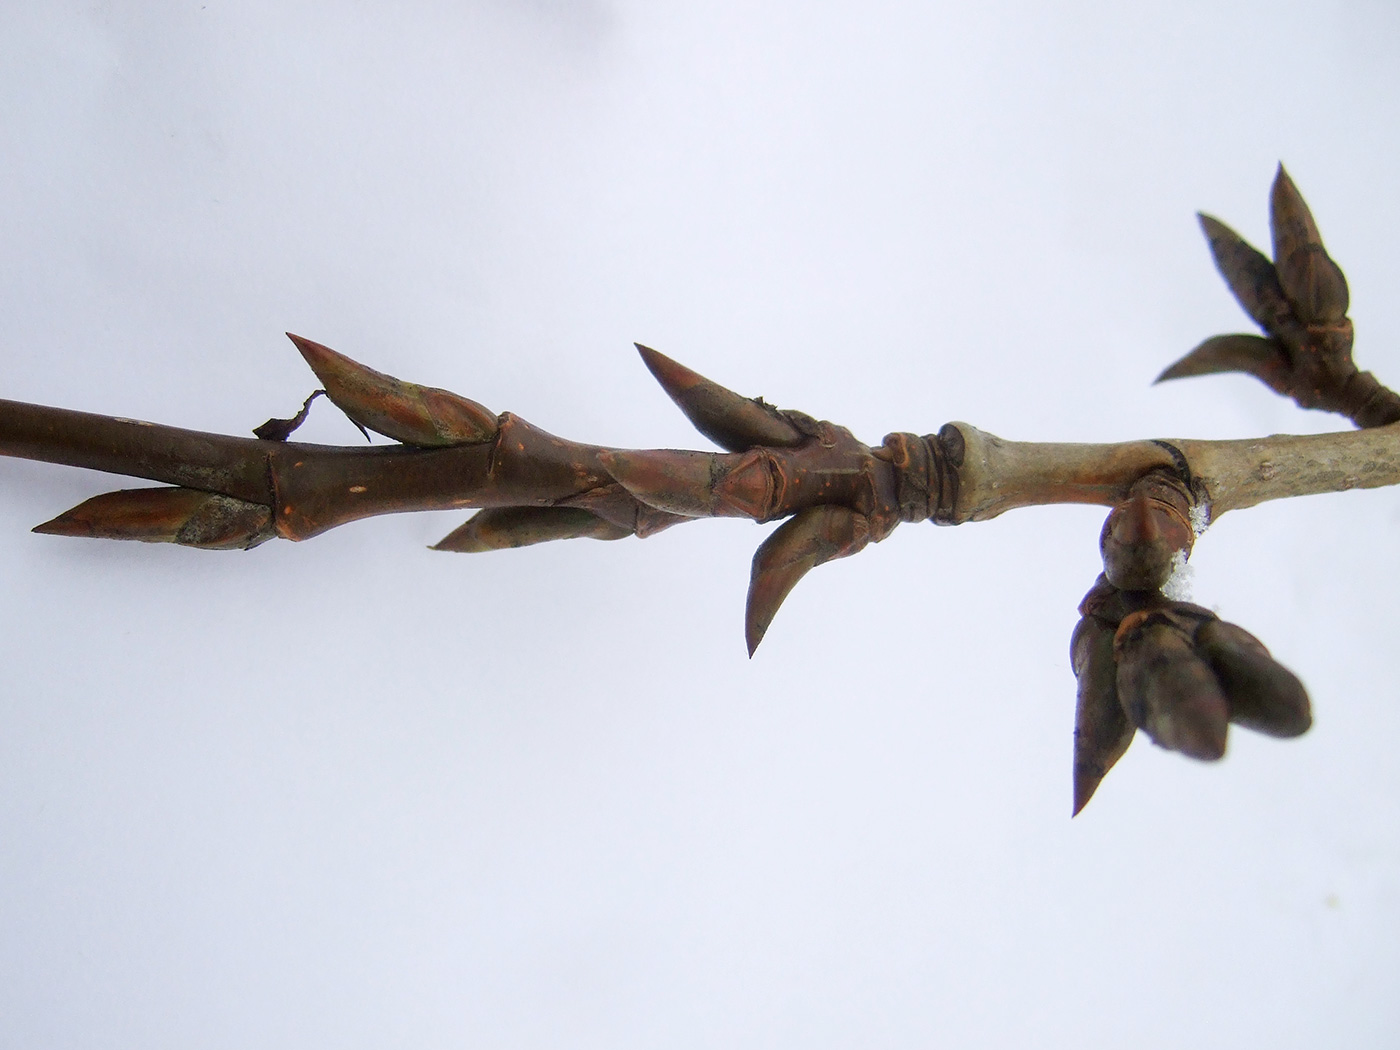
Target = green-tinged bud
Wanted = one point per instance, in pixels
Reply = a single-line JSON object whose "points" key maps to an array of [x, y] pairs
{"points": [[1166, 689], [810, 538], [407, 412], [188, 517], [1263, 694], [500, 527], [1313, 283], [1102, 731], [730, 420]]}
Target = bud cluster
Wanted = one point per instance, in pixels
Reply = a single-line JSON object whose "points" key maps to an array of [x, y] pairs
{"points": [[1177, 672], [1170, 668], [1300, 300]]}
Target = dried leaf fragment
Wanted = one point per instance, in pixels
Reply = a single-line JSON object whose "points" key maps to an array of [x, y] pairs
{"points": [[281, 429]]}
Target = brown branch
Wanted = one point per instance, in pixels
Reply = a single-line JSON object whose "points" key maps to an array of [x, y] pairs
{"points": [[1144, 660]]}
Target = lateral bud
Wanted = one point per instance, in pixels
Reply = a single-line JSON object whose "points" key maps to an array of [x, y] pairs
{"points": [[1166, 688], [809, 538], [1313, 282], [1145, 538], [189, 517], [1263, 694], [732, 421], [1250, 276], [407, 412], [1102, 731], [498, 528], [1265, 359]]}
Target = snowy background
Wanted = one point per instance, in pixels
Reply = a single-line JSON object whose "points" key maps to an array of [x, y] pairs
{"points": [[353, 793]]}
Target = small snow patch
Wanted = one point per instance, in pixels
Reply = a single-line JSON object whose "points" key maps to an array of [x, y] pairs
{"points": [[1200, 517], [1178, 585]]}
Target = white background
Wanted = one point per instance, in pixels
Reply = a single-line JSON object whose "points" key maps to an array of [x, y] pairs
{"points": [[352, 792]]}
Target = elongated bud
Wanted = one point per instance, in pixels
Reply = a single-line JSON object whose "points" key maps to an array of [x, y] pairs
{"points": [[407, 412], [1250, 275], [810, 538], [1314, 284], [497, 528], [728, 419], [1167, 689], [1142, 542], [1263, 694], [699, 484], [672, 480], [1262, 358], [1102, 731], [167, 515]]}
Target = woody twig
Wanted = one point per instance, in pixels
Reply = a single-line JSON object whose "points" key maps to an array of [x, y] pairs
{"points": [[1143, 660]]}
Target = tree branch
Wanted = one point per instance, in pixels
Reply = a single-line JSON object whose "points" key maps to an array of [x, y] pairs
{"points": [[1144, 660]]}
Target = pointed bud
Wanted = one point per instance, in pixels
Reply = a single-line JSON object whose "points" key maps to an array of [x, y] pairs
{"points": [[1102, 731], [810, 538], [1262, 693], [668, 479], [497, 528], [1290, 220], [1262, 358], [1312, 281], [1168, 690], [1315, 285], [728, 419], [1250, 275], [188, 517], [1141, 542], [407, 412]]}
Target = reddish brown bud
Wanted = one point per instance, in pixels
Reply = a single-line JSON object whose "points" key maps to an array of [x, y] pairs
{"points": [[1141, 542], [1254, 355], [1250, 275], [500, 527], [1313, 283], [728, 419], [1102, 731], [810, 538], [167, 515], [1167, 689], [668, 479], [1262, 693], [407, 412]]}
